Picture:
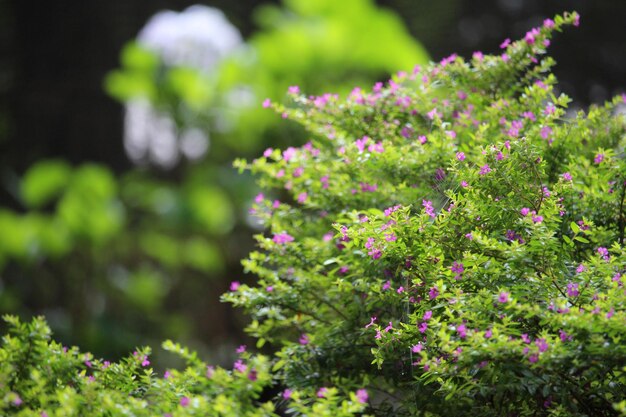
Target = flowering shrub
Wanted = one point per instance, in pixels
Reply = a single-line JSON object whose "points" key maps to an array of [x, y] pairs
{"points": [[449, 244], [452, 241], [41, 378]]}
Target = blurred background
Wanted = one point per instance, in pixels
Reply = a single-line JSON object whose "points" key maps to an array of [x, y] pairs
{"points": [[121, 219]]}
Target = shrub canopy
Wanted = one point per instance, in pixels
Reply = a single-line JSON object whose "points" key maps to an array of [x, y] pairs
{"points": [[449, 244]]}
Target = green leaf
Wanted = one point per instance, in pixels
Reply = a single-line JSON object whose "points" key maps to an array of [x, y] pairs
{"points": [[44, 181]]}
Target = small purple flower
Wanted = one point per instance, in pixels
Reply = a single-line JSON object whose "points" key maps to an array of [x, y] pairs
{"points": [[361, 396], [599, 158], [304, 339], [294, 89], [289, 153], [503, 297], [462, 331], [423, 327], [428, 208], [282, 238], [287, 394], [184, 401], [433, 293], [524, 211], [321, 393], [567, 176], [488, 333], [234, 285], [460, 156], [541, 344], [240, 366], [457, 267], [484, 170], [537, 218], [428, 315], [267, 103], [572, 289]]}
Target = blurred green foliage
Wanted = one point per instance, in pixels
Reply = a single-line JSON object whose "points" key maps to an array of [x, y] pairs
{"points": [[118, 261]]}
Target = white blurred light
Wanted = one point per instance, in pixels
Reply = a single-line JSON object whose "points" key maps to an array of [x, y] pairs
{"points": [[198, 37]]}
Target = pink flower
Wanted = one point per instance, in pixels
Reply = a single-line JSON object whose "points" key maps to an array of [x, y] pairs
{"points": [[567, 176], [433, 293], [531, 35], [302, 198], [548, 23], [184, 401], [572, 289], [599, 158], [371, 323], [428, 208], [376, 147], [209, 371], [241, 349], [289, 153], [485, 169], [460, 156], [423, 327], [321, 393], [457, 267], [234, 285], [545, 132], [478, 56], [542, 345], [423, 139], [524, 211], [361, 396], [304, 339], [294, 89], [287, 394], [240, 366], [537, 218], [433, 114], [505, 43], [462, 331], [488, 334], [360, 143], [416, 348], [503, 297], [576, 20], [267, 103], [282, 238], [428, 315]]}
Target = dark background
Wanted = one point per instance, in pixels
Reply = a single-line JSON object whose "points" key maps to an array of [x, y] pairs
{"points": [[55, 55]]}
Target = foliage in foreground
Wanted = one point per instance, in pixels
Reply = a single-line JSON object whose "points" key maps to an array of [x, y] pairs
{"points": [[452, 244], [42, 378]]}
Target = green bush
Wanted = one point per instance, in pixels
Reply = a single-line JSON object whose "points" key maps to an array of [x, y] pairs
{"points": [[451, 244], [454, 242]]}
